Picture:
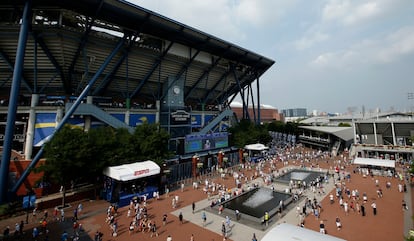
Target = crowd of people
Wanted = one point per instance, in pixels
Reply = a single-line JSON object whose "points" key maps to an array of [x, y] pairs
{"points": [[349, 201]]}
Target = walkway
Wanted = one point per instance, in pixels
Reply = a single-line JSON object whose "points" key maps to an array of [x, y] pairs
{"points": [[241, 231], [389, 225]]}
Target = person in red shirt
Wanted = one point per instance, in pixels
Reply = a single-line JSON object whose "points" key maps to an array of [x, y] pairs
{"points": [[44, 225]]}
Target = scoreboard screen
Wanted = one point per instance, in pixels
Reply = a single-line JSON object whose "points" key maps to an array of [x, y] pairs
{"points": [[197, 142]]}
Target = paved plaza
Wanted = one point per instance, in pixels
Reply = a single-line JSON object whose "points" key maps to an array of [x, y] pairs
{"points": [[391, 223]]}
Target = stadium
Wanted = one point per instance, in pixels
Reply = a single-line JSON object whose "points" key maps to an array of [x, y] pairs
{"points": [[92, 63]]}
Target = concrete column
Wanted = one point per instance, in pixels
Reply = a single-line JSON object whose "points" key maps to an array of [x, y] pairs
{"points": [[375, 133], [127, 115], [127, 112], [202, 115], [157, 113], [87, 118], [354, 129], [394, 139], [59, 115], [31, 127]]}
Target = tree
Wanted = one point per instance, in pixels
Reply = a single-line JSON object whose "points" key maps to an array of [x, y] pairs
{"points": [[247, 132], [151, 142], [125, 150], [66, 154], [276, 126], [76, 156]]}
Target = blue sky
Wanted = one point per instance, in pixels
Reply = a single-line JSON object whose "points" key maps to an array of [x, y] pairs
{"points": [[331, 55]]}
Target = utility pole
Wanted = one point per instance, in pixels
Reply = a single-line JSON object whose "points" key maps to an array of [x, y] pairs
{"points": [[410, 96]]}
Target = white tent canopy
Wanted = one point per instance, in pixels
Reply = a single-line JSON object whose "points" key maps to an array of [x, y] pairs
{"points": [[256, 147], [289, 232], [132, 171], [375, 162]]}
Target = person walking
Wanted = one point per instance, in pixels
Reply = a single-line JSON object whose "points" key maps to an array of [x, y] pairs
{"points": [[223, 230], [80, 209], [180, 217], [322, 227], [204, 218], [374, 208], [62, 215], [173, 202], [193, 206], [21, 227], [237, 214], [338, 223], [228, 222], [131, 227], [154, 230], [266, 219], [254, 237], [64, 236], [363, 209], [404, 205], [169, 238], [75, 214]]}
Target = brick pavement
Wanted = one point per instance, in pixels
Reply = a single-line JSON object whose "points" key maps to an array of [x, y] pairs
{"points": [[391, 223]]}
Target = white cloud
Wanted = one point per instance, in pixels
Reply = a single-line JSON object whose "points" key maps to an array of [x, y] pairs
{"points": [[216, 18], [384, 49], [348, 13], [335, 10], [339, 59], [397, 44], [311, 39], [353, 12], [362, 12], [227, 19], [261, 13]]}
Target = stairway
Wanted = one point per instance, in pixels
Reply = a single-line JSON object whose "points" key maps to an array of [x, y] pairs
{"points": [[98, 113], [216, 121]]}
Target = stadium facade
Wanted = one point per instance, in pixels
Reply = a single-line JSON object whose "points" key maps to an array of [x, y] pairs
{"points": [[90, 63]]}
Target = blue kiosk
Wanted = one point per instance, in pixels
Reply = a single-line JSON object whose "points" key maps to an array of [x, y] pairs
{"points": [[130, 181]]}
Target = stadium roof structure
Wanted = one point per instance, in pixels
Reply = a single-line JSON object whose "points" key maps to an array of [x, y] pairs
{"points": [[112, 48], [69, 40], [344, 133]]}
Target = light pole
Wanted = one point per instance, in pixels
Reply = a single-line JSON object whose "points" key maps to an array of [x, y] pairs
{"points": [[410, 96]]}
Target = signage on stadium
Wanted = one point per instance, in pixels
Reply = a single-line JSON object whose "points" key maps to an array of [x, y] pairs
{"points": [[180, 116], [16, 137], [141, 172]]}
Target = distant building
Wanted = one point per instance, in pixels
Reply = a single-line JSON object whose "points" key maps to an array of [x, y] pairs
{"points": [[389, 137], [380, 135], [294, 114], [348, 118], [327, 138], [267, 113]]}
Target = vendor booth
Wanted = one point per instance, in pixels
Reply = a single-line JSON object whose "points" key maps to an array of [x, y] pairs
{"points": [[256, 151], [129, 181], [383, 167]]}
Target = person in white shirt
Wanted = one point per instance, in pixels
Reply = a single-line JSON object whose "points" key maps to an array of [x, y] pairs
{"points": [[374, 208]]}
